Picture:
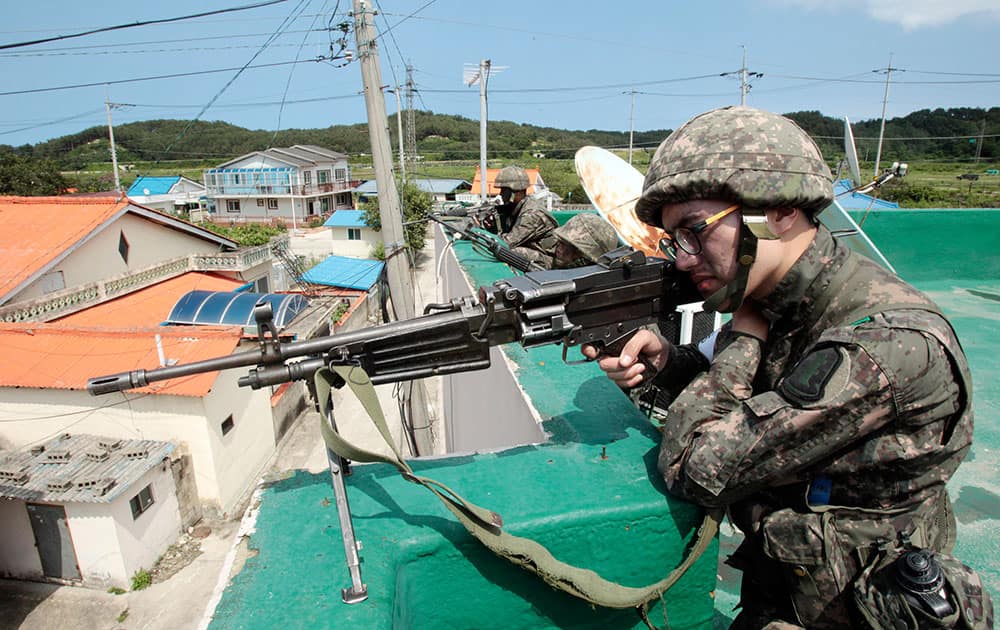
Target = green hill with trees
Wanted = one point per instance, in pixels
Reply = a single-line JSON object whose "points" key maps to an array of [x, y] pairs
{"points": [[940, 145]]}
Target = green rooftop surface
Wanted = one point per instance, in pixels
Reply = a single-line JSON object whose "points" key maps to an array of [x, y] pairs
{"points": [[611, 515], [592, 495]]}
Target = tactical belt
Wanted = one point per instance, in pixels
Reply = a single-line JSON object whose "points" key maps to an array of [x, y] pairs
{"points": [[487, 526]]}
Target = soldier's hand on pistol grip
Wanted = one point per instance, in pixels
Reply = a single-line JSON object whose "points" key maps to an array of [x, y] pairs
{"points": [[640, 359]]}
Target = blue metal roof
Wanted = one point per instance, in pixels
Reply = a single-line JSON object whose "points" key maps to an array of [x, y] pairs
{"points": [[346, 218], [858, 201], [366, 188], [233, 308], [441, 186], [345, 272], [145, 185], [429, 185]]}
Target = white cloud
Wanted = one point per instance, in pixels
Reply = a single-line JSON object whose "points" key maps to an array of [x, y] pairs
{"points": [[910, 14]]}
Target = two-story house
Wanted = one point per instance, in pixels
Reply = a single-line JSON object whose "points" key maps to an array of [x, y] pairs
{"points": [[291, 184]]}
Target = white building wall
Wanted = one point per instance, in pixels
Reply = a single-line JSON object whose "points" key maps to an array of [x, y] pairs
{"points": [[240, 455], [342, 246], [98, 258], [110, 545], [223, 472], [18, 555]]}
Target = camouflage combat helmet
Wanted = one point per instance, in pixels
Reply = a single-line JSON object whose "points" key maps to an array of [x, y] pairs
{"points": [[590, 234], [745, 156], [513, 177], [738, 154]]}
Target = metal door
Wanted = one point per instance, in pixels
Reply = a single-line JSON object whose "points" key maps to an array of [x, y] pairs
{"points": [[55, 547]]}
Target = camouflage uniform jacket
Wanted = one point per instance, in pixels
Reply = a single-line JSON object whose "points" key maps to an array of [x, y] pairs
{"points": [[529, 225], [840, 429]]}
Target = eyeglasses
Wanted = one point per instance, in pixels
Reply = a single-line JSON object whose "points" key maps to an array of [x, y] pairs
{"points": [[686, 238]]}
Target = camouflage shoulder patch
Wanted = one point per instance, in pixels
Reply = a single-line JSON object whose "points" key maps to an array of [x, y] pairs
{"points": [[809, 378]]}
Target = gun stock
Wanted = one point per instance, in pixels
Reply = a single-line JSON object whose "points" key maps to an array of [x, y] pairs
{"points": [[600, 304]]}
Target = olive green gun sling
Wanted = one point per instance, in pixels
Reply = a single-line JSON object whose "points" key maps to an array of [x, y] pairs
{"points": [[487, 526]]}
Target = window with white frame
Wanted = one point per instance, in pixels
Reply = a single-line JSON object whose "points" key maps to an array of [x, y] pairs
{"points": [[343, 199], [354, 234], [141, 502], [260, 203], [323, 177], [232, 205], [340, 174], [307, 177], [272, 204]]}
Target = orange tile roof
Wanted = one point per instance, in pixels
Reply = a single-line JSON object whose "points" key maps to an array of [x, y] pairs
{"points": [[149, 306], [55, 356], [34, 231], [491, 176]]}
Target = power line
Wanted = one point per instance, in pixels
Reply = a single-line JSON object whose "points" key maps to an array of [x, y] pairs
{"points": [[175, 75], [142, 23], [227, 37]]}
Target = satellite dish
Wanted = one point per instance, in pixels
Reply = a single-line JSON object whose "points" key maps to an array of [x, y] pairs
{"points": [[613, 186], [851, 152]]}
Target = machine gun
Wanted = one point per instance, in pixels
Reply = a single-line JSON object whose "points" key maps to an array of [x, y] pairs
{"points": [[478, 213], [486, 242], [602, 305]]}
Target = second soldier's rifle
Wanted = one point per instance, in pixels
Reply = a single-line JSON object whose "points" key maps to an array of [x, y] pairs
{"points": [[486, 242], [602, 304]]}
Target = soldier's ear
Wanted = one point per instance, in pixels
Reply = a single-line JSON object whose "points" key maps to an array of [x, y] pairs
{"points": [[780, 220]]}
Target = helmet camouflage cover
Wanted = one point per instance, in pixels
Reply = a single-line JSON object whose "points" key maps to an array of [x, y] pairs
{"points": [[742, 155], [513, 177], [590, 234]]}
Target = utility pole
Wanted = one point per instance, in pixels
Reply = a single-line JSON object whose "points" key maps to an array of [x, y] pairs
{"points": [[396, 261], [399, 125], [743, 79], [411, 125], [885, 100], [484, 75], [631, 124], [745, 76], [979, 145], [111, 136]]}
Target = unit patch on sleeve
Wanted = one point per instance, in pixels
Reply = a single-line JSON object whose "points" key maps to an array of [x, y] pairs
{"points": [[809, 378]]}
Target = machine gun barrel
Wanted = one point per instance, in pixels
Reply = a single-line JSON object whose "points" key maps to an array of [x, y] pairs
{"points": [[602, 304]]}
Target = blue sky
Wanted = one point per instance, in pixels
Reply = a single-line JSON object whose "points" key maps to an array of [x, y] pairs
{"points": [[563, 64]]}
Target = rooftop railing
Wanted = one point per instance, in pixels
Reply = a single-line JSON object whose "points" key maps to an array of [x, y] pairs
{"points": [[61, 303]]}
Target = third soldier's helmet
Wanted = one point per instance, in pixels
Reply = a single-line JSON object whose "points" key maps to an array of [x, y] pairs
{"points": [[590, 234], [513, 177], [738, 154]]}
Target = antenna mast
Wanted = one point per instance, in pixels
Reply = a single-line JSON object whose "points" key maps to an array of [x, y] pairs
{"points": [[885, 101]]}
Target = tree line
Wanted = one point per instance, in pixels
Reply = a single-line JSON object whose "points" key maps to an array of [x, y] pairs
{"points": [[955, 135]]}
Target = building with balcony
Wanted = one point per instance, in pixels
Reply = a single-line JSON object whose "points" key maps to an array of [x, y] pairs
{"points": [[288, 184]]}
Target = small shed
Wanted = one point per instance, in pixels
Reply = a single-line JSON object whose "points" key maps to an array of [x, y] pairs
{"points": [[86, 509], [351, 235]]}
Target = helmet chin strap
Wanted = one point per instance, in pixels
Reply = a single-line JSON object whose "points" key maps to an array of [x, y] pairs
{"points": [[732, 294]]}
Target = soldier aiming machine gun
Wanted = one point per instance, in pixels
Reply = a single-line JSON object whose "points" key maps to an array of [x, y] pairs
{"points": [[602, 304]]}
